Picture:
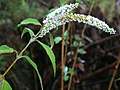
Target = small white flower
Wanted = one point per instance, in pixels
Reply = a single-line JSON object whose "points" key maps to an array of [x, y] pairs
{"points": [[62, 16], [90, 21], [59, 13], [53, 19]]}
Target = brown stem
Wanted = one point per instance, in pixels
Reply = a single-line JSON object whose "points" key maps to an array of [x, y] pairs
{"points": [[116, 36], [71, 39], [114, 73], [62, 59], [91, 7], [75, 59], [98, 72], [66, 46]]}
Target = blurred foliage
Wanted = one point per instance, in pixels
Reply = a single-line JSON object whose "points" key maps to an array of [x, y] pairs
{"points": [[18, 10], [107, 8]]}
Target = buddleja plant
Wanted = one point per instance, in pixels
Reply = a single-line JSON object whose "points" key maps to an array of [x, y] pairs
{"points": [[54, 19]]}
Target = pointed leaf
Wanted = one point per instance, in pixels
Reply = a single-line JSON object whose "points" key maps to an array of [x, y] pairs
{"points": [[5, 85], [51, 40], [28, 30], [35, 67], [6, 49], [66, 35], [50, 54], [57, 40], [81, 51], [29, 21]]}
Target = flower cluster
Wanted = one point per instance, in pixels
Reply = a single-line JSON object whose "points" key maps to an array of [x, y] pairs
{"points": [[90, 21], [59, 13], [63, 15], [53, 19]]}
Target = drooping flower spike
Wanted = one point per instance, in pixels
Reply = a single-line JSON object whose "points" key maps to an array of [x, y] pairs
{"points": [[63, 15], [90, 21]]}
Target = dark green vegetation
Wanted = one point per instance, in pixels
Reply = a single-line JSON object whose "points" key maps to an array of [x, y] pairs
{"points": [[96, 58]]}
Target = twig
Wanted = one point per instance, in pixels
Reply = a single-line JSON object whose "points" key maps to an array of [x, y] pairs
{"points": [[66, 46], [91, 7], [75, 59], [62, 59], [16, 59], [114, 73], [71, 39], [98, 72], [102, 41]]}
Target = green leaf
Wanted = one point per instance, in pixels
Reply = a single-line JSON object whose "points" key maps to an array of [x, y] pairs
{"points": [[29, 21], [28, 30], [118, 79], [35, 67], [81, 51], [50, 54], [51, 40], [75, 44], [77, 38], [5, 85], [62, 2], [66, 78], [66, 34], [5, 49], [57, 40]]}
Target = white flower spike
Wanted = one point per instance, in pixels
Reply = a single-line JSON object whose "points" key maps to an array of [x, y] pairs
{"points": [[63, 15], [90, 21]]}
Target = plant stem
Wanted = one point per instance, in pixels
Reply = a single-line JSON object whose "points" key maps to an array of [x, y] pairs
{"points": [[25, 48], [114, 73], [71, 38], [75, 59], [91, 7], [62, 59], [66, 46], [10, 67], [17, 58]]}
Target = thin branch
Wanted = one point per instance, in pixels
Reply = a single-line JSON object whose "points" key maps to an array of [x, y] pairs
{"points": [[91, 7], [75, 59], [62, 59], [66, 46], [114, 74], [98, 72], [102, 41]]}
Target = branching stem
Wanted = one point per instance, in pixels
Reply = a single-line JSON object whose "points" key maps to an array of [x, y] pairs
{"points": [[17, 58]]}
